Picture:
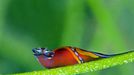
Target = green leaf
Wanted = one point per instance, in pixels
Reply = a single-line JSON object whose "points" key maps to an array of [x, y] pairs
{"points": [[87, 67]]}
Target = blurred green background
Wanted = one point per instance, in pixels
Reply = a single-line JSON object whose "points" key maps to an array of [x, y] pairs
{"points": [[105, 26]]}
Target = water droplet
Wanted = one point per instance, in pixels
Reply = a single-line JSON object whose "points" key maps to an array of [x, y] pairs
{"points": [[125, 61], [91, 70], [76, 71]]}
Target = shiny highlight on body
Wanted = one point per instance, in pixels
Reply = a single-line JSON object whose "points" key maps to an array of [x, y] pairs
{"points": [[65, 56]]}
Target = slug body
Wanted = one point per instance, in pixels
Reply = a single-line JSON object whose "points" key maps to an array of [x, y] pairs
{"points": [[65, 56]]}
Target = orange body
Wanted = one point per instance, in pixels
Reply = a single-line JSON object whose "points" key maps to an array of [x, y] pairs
{"points": [[61, 57], [65, 56]]}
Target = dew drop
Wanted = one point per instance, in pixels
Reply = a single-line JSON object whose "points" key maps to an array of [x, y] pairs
{"points": [[91, 70], [125, 61]]}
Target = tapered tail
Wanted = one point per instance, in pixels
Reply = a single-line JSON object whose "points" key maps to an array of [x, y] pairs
{"points": [[110, 55]]}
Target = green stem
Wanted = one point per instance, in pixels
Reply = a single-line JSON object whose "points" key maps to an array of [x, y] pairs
{"points": [[87, 67]]}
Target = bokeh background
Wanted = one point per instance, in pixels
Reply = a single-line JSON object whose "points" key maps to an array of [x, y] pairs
{"points": [[105, 26]]}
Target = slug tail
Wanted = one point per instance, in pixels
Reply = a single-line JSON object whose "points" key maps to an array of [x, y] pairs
{"points": [[110, 55]]}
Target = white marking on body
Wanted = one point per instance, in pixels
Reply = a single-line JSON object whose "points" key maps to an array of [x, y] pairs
{"points": [[76, 53], [49, 58]]}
